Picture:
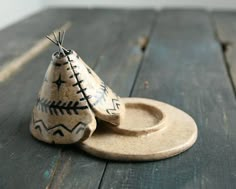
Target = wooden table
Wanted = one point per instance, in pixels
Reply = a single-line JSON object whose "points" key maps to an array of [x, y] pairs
{"points": [[186, 58]]}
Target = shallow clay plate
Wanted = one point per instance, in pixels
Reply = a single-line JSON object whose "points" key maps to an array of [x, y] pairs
{"points": [[151, 130]]}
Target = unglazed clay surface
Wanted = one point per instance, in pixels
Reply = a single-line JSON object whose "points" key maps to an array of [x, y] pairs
{"points": [[71, 96], [74, 105], [157, 136]]}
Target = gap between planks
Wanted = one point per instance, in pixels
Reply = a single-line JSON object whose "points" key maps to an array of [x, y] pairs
{"points": [[224, 45], [54, 170], [17, 63], [143, 44]]}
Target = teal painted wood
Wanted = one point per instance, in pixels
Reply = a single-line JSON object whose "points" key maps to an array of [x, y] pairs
{"points": [[25, 161], [18, 38], [117, 65], [184, 66]]}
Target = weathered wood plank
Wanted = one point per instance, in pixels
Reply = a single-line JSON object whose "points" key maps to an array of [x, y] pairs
{"points": [[18, 38], [226, 33], [23, 163], [26, 162], [184, 66], [117, 66]]}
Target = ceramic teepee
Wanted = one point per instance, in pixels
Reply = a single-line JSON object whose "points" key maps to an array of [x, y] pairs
{"points": [[72, 96]]}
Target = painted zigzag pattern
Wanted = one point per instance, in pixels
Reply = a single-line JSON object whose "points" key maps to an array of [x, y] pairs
{"points": [[116, 105], [58, 129]]}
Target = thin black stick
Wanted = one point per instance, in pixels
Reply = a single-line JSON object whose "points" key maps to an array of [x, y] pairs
{"points": [[55, 37], [59, 37], [63, 35], [59, 41], [61, 50], [51, 40]]}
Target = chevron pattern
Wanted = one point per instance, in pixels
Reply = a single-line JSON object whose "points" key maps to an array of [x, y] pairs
{"points": [[116, 105], [59, 107], [59, 129]]}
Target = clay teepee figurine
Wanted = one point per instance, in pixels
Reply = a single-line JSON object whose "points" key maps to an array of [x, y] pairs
{"points": [[74, 105], [72, 96]]}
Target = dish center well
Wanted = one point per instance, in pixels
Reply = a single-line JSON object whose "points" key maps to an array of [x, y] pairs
{"points": [[140, 119]]}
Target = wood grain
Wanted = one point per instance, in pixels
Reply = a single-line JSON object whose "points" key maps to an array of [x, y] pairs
{"points": [[20, 37], [29, 163], [184, 66], [117, 66], [12, 66]]}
